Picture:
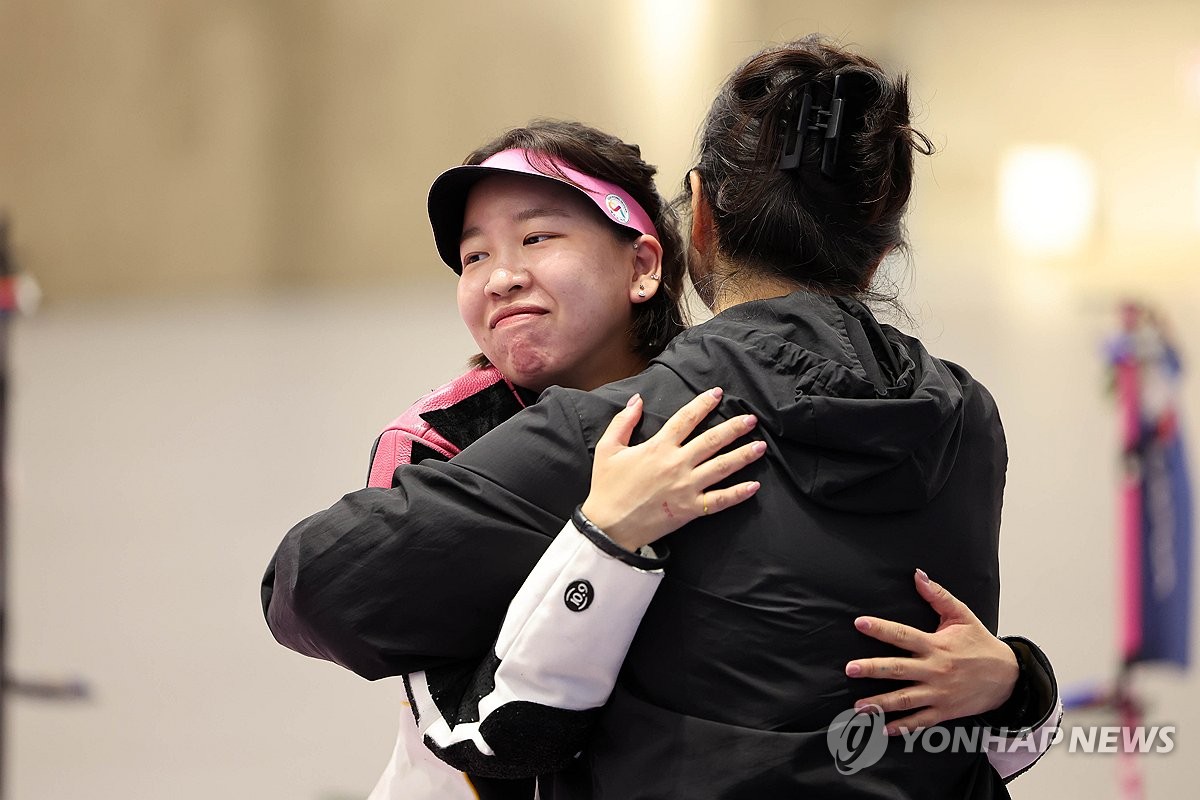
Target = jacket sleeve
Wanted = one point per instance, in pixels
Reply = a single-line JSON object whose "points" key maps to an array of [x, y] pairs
{"points": [[526, 710], [391, 581], [1024, 728]]}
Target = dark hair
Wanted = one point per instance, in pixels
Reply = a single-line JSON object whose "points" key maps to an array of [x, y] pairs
{"points": [[661, 318], [826, 232]]}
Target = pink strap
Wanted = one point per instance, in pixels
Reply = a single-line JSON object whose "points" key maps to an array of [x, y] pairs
{"points": [[395, 443]]}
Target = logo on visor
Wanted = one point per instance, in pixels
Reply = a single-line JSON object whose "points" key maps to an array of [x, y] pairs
{"points": [[617, 208]]}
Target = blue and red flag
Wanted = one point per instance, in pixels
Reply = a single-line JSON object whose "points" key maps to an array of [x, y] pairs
{"points": [[1156, 498]]}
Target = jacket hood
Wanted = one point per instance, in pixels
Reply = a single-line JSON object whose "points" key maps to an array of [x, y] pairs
{"points": [[864, 418]]}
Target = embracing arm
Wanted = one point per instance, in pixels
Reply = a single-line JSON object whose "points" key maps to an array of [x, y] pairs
{"points": [[386, 582], [410, 579], [527, 709]]}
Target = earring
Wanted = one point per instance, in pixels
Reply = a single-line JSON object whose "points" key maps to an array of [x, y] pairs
{"points": [[654, 277], [641, 291]]}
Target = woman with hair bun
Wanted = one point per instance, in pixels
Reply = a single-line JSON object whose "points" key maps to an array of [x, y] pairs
{"points": [[881, 462]]}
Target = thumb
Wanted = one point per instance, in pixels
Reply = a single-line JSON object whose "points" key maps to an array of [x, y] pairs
{"points": [[948, 607], [616, 435]]}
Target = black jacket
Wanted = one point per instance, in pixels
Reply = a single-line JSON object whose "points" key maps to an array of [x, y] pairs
{"points": [[880, 459]]}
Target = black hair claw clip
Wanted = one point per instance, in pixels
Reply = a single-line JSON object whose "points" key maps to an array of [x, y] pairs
{"points": [[806, 118]]}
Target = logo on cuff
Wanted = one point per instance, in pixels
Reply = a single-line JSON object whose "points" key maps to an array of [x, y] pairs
{"points": [[579, 595]]}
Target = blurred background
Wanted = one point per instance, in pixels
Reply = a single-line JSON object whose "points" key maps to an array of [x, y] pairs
{"points": [[223, 203]]}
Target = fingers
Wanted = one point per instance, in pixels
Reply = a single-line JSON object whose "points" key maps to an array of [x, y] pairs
{"points": [[912, 698], [684, 421], [915, 699], [913, 722], [717, 438], [894, 633], [720, 499], [617, 434], [717, 469], [662, 473], [939, 598], [888, 668]]}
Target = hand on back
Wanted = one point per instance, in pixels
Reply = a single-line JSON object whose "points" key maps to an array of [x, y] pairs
{"points": [[959, 670], [641, 493]]}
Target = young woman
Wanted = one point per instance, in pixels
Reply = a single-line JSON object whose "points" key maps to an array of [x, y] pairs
{"points": [[590, 310], [510, 508]]}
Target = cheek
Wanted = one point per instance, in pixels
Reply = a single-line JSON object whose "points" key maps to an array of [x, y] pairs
{"points": [[605, 304], [470, 303]]}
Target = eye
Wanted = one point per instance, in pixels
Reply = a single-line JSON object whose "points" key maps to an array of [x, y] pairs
{"points": [[538, 238], [471, 258]]}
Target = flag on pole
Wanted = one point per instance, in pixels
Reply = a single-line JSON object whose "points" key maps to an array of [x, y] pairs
{"points": [[1156, 499]]}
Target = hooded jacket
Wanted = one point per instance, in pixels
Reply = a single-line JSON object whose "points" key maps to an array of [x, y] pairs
{"points": [[880, 459]]}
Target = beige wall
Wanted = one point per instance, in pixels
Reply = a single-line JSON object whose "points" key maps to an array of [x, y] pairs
{"points": [[190, 146], [181, 175], [194, 146]]}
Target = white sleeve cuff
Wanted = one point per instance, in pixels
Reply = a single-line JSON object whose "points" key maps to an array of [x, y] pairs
{"points": [[561, 645], [569, 627], [1010, 755]]}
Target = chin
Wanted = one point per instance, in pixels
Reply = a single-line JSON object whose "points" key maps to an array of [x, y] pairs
{"points": [[530, 376]]}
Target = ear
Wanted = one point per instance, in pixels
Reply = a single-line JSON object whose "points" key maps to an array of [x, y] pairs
{"points": [[702, 222], [699, 262], [647, 269]]}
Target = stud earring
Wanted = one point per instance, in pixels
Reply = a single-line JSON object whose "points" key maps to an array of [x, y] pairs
{"points": [[641, 291]]}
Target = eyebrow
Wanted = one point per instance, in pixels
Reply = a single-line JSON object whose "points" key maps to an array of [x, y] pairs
{"points": [[521, 216]]}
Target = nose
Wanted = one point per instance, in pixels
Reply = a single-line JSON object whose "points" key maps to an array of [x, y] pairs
{"points": [[504, 280]]}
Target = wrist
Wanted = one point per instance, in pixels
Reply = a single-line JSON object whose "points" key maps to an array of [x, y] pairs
{"points": [[1012, 708], [1010, 673], [1036, 682], [595, 513], [611, 526], [644, 558]]}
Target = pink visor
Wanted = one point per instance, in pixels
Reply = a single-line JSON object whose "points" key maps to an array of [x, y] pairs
{"points": [[448, 196]]}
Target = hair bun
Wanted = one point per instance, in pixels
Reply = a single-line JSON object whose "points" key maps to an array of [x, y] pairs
{"points": [[815, 195]]}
